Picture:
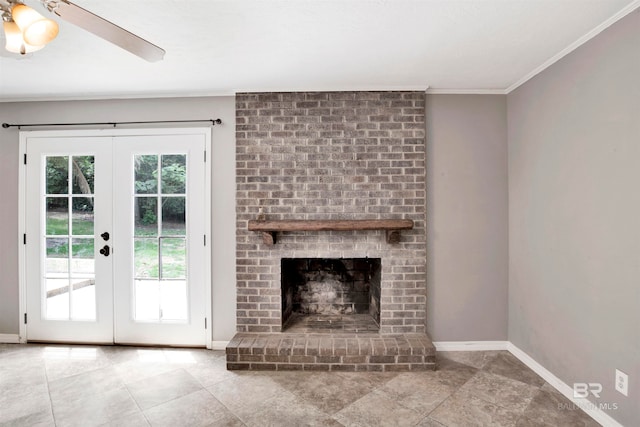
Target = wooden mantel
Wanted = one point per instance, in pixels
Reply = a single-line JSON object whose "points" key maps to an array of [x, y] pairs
{"points": [[269, 228]]}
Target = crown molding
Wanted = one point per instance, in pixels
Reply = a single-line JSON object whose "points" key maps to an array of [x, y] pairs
{"points": [[435, 91], [115, 97], [354, 88], [575, 45]]}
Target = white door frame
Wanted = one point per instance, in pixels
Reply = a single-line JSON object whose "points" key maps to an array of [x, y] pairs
{"points": [[22, 186]]}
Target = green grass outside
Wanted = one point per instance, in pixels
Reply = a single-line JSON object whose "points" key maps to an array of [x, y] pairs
{"points": [[60, 248], [173, 258], [145, 248], [60, 226]]}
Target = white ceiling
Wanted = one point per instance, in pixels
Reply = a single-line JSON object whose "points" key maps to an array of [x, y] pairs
{"points": [[219, 47]]}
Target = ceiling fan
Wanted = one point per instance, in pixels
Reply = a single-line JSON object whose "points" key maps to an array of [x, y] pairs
{"points": [[27, 31]]}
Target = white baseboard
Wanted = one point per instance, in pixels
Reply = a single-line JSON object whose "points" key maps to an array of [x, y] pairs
{"points": [[590, 408], [219, 345], [470, 345], [9, 339]]}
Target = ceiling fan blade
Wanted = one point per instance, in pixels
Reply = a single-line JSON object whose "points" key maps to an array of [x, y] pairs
{"points": [[107, 30]]}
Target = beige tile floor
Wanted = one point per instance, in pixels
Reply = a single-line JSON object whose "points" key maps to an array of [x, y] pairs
{"points": [[46, 385]]}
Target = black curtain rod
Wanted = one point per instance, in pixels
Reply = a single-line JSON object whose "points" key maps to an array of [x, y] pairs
{"points": [[114, 124]]}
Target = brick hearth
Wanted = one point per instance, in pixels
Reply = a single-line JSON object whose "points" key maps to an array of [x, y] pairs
{"points": [[330, 352], [330, 156]]}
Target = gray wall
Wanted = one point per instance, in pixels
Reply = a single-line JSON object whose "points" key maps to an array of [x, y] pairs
{"points": [[574, 210], [466, 168], [223, 188], [467, 243]]}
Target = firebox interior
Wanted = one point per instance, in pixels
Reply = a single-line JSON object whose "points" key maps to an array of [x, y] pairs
{"points": [[331, 294]]}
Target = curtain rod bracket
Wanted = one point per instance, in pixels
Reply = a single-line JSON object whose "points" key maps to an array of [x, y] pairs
{"points": [[114, 124]]}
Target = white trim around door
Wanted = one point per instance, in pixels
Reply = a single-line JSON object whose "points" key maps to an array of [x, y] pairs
{"points": [[118, 134]]}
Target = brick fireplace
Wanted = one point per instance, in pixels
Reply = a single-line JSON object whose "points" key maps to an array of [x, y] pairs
{"points": [[331, 156]]}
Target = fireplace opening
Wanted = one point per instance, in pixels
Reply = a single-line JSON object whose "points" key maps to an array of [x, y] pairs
{"points": [[330, 294]]}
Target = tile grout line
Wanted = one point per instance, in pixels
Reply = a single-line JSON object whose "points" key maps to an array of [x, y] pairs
{"points": [[450, 396], [222, 403], [170, 400], [523, 416], [520, 416], [126, 387], [46, 376], [458, 388]]}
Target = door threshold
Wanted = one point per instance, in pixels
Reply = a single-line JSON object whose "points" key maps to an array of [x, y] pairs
{"points": [[112, 344]]}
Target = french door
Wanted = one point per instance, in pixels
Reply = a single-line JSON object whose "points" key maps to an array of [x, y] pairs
{"points": [[115, 235]]}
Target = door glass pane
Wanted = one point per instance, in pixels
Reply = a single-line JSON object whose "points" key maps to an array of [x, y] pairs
{"points": [[174, 258], [82, 171], [146, 174], [82, 260], [57, 215], [83, 298], [147, 296], [146, 258], [160, 246], [82, 216], [57, 294], [56, 281], [174, 173], [57, 259], [69, 282], [57, 173], [173, 294], [174, 216], [146, 216]]}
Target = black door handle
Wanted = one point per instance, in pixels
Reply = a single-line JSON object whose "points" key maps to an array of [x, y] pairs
{"points": [[105, 236], [105, 251]]}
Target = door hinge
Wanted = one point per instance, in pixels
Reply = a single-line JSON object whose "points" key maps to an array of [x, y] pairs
{"points": [[25, 318], [25, 158], [205, 323], [205, 240], [205, 157], [24, 239]]}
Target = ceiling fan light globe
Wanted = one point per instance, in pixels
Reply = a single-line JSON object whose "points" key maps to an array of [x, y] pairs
{"points": [[36, 29], [41, 32], [14, 41]]}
